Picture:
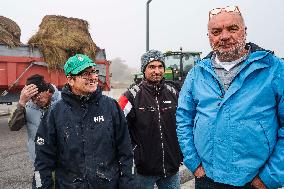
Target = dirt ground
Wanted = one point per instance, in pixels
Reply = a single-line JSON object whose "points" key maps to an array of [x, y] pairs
{"points": [[15, 168]]}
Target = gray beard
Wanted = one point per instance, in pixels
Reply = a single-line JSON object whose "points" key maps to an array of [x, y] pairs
{"points": [[232, 55]]}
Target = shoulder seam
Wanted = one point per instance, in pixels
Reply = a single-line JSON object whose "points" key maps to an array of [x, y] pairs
{"points": [[171, 88], [134, 90]]}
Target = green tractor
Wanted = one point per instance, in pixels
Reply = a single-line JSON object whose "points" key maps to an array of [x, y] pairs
{"points": [[178, 64]]}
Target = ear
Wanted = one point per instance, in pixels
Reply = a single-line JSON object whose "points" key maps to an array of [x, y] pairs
{"points": [[50, 94], [70, 80]]}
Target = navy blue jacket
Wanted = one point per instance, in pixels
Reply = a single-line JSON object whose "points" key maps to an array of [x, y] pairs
{"points": [[86, 142]]}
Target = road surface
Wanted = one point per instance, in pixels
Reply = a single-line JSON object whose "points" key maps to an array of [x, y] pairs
{"points": [[15, 168]]}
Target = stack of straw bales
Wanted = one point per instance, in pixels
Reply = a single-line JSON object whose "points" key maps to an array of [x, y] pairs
{"points": [[10, 32], [60, 37]]}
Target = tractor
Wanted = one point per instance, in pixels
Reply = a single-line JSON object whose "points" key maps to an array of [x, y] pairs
{"points": [[177, 65]]}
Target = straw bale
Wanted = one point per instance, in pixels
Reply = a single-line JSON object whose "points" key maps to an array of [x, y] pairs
{"points": [[60, 37], [10, 32]]}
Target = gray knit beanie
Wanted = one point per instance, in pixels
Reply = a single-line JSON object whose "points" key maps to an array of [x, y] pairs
{"points": [[151, 56]]}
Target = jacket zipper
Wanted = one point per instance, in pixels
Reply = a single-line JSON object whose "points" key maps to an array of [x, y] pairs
{"points": [[84, 143], [221, 88], [84, 155], [133, 163], [159, 121]]}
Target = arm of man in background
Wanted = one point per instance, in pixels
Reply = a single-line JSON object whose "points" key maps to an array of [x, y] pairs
{"points": [[45, 147], [185, 116], [125, 103], [272, 174], [124, 149], [18, 118]]}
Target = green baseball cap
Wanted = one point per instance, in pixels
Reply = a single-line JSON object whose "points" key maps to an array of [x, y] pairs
{"points": [[77, 63]]}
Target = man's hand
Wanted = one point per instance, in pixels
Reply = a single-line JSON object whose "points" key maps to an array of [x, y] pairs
{"points": [[27, 93], [199, 172], [257, 183]]}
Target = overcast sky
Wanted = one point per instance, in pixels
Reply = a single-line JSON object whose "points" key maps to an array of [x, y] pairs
{"points": [[119, 26]]}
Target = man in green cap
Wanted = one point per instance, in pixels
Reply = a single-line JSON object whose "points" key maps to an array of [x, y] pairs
{"points": [[84, 136]]}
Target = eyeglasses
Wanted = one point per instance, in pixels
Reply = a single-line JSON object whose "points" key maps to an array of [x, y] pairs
{"points": [[86, 74], [224, 9]]}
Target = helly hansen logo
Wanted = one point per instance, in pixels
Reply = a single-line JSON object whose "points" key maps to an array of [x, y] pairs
{"points": [[99, 119], [40, 141]]}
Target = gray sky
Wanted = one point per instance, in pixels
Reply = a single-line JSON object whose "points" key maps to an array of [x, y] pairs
{"points": [[119, 26]]}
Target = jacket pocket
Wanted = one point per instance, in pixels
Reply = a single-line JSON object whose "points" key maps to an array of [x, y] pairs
{"points": [[195, 122], [137, 155], [102, 135], [168, 111], [145, 109], [250, 145], [266, 137], [202, 136], [168, 108], [106, 175], [68, 179]]}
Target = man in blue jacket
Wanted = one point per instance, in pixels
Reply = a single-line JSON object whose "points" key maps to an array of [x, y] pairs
{"points": [[230, 115], [84, 136]]}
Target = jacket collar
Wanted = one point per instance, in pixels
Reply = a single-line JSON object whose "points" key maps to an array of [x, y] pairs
{"points": [[56, 95], [249, 46], [256, 53], [71, 98], [250, 65], [153, 88]]}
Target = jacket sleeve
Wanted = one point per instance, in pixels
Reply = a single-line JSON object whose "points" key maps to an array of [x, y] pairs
{"points": [[18, 118], [272, 174], [124, 149], [126, 104], [45, 148], [185, 115]]}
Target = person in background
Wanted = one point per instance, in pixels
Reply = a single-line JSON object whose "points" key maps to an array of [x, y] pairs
{"points": [[230, 115], [35, 98], [84, 137], [150, 111]]}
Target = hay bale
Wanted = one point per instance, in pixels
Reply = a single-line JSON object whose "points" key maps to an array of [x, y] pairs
{"points": [[60, 37], [10, 32]]}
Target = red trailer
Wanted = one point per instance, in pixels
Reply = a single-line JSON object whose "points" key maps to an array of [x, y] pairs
{"points": [[17, 64]]}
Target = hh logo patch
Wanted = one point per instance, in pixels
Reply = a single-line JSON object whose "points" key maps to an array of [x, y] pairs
{"points": [[167, 102], [40, 141], [99, 119]]}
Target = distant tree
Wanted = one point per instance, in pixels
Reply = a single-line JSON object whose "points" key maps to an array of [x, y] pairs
{"points": [[121, 72]]}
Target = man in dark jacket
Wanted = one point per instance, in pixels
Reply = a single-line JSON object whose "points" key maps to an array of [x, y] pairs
{"points": [[150, 111], [84, 137]]}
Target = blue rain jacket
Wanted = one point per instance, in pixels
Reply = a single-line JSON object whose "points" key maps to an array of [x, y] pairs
{"points": [[236, 134]]}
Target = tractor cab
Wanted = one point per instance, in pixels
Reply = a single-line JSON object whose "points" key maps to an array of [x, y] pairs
{"points": [[179, 63]]}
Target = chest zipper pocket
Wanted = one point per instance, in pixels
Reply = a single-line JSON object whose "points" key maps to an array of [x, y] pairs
{"points": [[147, 109], [168, 108]]}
